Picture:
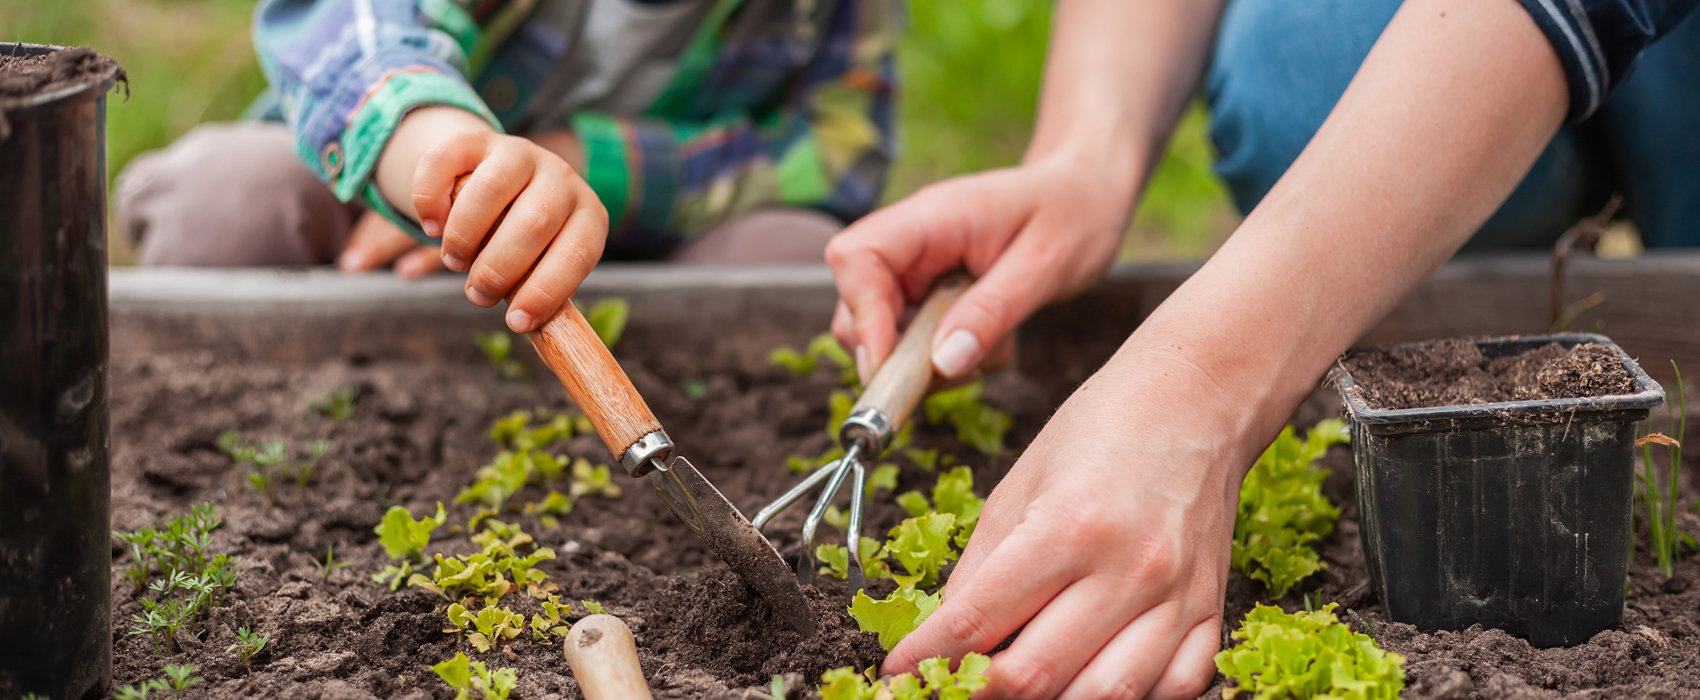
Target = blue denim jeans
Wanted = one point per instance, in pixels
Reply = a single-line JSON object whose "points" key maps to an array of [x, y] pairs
{"points": [[1280, 65]]}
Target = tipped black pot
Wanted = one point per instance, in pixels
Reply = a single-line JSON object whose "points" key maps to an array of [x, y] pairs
{"points": [[55, 535], [1513, 515]]}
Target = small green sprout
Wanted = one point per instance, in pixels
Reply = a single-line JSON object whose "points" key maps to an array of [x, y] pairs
{"points": [[836, 558], [181, 677], [488, 628], [140, 691], [608, 318], [472, 680], [1664, 536], [593, 480], [248, 645], [884, 476], [329, 565], [923, 545], [498, 347], [551, 509], [304, 470], [693, 388], [593, 607], [803, 363], [339, 405], [261, 460], [548, 622], [936, 681]]}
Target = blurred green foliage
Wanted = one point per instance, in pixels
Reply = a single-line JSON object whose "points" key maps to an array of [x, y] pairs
{"points": [[969, 71]]}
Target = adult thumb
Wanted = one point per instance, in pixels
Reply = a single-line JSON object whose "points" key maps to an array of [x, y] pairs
{"points": [[980, 319]]}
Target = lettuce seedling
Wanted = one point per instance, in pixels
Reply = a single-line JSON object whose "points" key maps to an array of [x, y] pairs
{"points": [[799, 464], [593, 607], [936, 681], [928, 459], [883, 476], [978, 425], [1308, 655], [248, 645], [549, 622], [593, 480], [472, 680], [608, 318], [896, 616], [405, 539], [486, 629], [836, 558], [550, 510], [803, 364], [923, 545], [1282, 509], [509, 427], [498, 347], [499, 480]]}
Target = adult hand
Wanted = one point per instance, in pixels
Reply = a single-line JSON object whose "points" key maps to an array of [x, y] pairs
{"points": [[1029, 235], [1107, 546], [376, 243]]}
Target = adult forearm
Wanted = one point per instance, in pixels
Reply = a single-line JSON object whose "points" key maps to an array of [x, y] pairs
{"points": [[1117, 77], [1445, 117]]}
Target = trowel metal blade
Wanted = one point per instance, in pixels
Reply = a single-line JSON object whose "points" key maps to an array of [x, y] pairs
{"points": [[732, 537]]}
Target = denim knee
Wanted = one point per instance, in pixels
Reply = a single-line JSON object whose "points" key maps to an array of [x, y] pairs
{"points": [[1275, 73]]}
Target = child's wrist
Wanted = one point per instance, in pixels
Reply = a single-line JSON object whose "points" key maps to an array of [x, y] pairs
{"points": [[418, 132]]}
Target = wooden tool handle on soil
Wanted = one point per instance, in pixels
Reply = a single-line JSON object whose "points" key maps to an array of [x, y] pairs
{"points": [[901, 381], [603, 656], [593, 378]]}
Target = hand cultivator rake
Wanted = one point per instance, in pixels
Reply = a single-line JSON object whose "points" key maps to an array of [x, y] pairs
{"points": [[896, 389]]}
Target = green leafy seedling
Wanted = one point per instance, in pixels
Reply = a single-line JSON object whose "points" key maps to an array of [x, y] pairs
{"points": [[140, 691], [248, 645], [548, 623], [1282, 509], [404, 539], [978, 425], [936, 680], [593, 607], [608, 318], [339, 405], [498, 347], [923, 545], [595, 480], [1307, 655], [472, 680], [897, 615], [180, 676]]}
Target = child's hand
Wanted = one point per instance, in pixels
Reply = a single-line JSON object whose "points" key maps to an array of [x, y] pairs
{"points": [[549, 226], [377, 243]]}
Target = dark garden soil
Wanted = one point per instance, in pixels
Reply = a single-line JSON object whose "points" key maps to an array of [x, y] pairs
{"points": [[420, 430], [1454, 372], [23, 76]]}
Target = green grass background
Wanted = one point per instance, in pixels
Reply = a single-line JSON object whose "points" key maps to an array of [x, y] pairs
{"points": [[970, 72]]}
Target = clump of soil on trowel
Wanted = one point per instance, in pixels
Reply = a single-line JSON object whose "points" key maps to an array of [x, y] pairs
{"points": [[23, 76], [1455, 372]]}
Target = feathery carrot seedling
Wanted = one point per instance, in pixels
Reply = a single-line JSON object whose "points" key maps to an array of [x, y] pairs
{"points": [[1661, 502], [330, 564], [248, 645], [180, 677], [339, 404]]}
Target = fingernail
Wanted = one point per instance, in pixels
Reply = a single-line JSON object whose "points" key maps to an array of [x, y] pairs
{"points": [[479, 298], [350, 261], [454, 262], [432, 228], [952, 356], [519, 321], [862, 363]]}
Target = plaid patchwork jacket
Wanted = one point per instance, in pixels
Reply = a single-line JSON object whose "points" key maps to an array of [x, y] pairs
{"points": [[769, 102]]}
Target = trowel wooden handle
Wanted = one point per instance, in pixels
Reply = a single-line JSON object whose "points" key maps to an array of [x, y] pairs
{"points": [[601, 389], [595, 381], [603, 656], [901, 381]]}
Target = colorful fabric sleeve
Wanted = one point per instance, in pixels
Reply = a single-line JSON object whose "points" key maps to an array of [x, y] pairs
{"points": [[346, 72], [669, 176], [1598, 41]]}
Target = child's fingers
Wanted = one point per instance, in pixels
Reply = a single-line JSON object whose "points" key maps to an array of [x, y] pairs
{"points": [[434, 177], [537, 214], [486, 195], [423, 260], [569, 259], [373, 244]]}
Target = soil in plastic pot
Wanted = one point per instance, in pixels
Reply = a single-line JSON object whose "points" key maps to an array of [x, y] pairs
{"points": [[1454, 372]]}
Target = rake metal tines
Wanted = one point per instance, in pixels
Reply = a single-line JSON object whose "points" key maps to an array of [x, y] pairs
{"points": [[833, 474]]}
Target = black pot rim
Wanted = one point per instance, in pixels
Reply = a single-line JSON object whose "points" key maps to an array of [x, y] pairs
{"points": [[51, 100], [1647, 395]]}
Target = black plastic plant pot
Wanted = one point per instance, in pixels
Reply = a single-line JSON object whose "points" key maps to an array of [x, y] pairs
{"points": [[1514, 515], [55, 536]]}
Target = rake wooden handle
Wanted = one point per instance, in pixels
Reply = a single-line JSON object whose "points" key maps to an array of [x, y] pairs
{"points": [[603, 656], [902, 380], [572, 350]]}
